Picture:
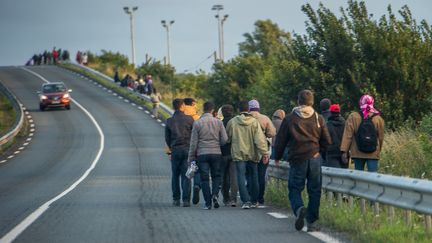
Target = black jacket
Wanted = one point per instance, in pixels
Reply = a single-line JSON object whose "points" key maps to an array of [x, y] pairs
{"points": [[335, 126], [178, 131], [226, 149]]}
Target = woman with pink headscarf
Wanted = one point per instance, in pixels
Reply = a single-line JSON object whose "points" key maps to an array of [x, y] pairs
{"points": [[349, 146]]}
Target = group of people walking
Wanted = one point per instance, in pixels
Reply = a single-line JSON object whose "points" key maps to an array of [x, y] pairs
{"points": [[49, 57], [233, 149]]}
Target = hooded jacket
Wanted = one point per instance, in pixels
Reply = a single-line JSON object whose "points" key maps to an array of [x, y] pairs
{"points": [[248, 142], [335, 125], [305, 134], [277, 118], [266, 124], [190, 110]]}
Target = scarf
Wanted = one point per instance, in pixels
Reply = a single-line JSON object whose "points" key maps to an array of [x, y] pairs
{"points": [[367, 105]]}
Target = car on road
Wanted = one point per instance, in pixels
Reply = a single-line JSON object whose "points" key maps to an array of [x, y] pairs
{"points": [[54, 94]]}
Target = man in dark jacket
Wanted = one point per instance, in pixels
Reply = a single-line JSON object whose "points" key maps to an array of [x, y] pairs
{"points": [[228, 167], [177, 136], [305, 133], [335, 125]]}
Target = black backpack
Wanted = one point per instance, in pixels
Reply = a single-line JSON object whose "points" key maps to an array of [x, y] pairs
{"points": [[366, 137]]}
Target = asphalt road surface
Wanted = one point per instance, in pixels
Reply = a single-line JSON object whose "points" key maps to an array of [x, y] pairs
{"points": [[127, 196]]}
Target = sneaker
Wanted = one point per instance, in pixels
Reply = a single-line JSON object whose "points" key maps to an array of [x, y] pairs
{"points": [[301, 213], [206, 207], [186, 204], [246, 205], [195, 196], [215, 202], [176, 203], [313, 227], [233, 204], [226, 203], [254, 205]]}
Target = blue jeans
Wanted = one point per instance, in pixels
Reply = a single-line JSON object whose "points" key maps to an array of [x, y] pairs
{"points": [[372, 164], [179, 167], [197, 180], [209, 163], [247, 172], [300, 172]]}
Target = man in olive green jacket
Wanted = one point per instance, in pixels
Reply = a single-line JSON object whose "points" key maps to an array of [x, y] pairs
{"points": [[248, 146]]}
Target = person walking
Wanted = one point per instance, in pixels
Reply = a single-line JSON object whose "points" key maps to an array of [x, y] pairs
{"points": [[155, 98], [178, 132], [305, 133], [269, 131], [363, 136], [228, 168], [335, 125], [248, 147], [325, 108], [277, 119], [190, 109], [208, 134]]}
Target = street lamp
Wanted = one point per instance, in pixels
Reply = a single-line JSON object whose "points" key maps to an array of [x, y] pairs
{"points": [[221, 20], [167, 26], [130, 12]]}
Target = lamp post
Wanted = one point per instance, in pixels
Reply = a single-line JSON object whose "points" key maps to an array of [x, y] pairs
{"points": [[221, 20], [167, 26], [130, 12]]}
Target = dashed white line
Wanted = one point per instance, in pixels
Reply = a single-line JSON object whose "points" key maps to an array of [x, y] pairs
{"points": [[32, 130], [140, 108], [159, 120], [31, 120], [28, 139], [127, 101], [3, 161], [163, 124], [21, 148], [31, 134], [278, 215], [147, 112], [25, 144], [10, 157], [17, 152], [29, 117], [133, 104]]}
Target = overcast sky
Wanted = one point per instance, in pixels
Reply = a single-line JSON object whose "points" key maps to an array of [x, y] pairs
{"points": [[29, 27]]}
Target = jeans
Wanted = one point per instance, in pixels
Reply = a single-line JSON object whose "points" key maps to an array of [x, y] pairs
{"points": [[197, 180], [209, 163], [179, 167], [229, 179], [262, 169], [300, 172], [247, 172], [372, 164]]}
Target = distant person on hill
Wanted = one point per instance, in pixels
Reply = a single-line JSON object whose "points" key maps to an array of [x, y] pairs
{"points": [[363, 136], [155, 98], [116, 77], [55, 56], [148, 84], [78, 57], [84, 59], [335, 125]]}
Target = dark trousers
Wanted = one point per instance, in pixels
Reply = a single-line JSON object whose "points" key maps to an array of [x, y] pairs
{"points": [[209, 164], [179, 167], [300, 172], [262, 169], [229, 179]]}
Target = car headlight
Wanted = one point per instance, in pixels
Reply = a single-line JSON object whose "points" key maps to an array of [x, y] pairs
{"points": [[66, 96], [43, 97]]}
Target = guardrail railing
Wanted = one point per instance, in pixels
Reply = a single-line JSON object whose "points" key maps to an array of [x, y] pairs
{"points": [[410, 194], [19, 119], [163, 106]]}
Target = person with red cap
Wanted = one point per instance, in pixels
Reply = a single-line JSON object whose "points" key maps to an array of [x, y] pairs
{"points": [[335, 126]]}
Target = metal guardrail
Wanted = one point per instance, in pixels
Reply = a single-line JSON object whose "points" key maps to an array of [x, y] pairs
{"points": [[163, 106], [401, 192], [19, 120]]}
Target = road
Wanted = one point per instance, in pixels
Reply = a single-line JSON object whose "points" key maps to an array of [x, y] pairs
{"points": [[127, 196]]}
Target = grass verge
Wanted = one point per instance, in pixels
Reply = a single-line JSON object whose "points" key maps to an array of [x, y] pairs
{"points": [[7, 115], [366, 227]]}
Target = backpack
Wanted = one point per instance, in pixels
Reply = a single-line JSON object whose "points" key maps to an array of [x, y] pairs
{"points": [[366, 137]]}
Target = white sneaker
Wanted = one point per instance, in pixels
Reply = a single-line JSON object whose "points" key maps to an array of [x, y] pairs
{"points": [[246, 205]]}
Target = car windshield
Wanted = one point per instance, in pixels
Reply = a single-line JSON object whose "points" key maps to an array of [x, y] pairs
{"points": [[54, 88]]}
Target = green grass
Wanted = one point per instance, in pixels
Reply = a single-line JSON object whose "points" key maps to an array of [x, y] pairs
{"points": [[119, 90], [366, 227], [7, 115]]}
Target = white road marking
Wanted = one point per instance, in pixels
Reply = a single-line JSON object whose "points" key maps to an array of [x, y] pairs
{"points": [[324, 237], [31, 120], [162, 124], [3, 161], [25, 144], [140, 108], [29, 117], [28, 139], [127, 101], [21, 148], [32, 130], [18, 229], [32, 125], [278, 215], [31, 134], [133, 104], [10, 157], [17, 152], [147, 112], [159, 120]]}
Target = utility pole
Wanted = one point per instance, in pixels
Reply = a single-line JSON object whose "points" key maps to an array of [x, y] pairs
{"points": [[167, 26], [221, 20]]}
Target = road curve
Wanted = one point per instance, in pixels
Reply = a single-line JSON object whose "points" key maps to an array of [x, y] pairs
{"points": [[127, 197]]}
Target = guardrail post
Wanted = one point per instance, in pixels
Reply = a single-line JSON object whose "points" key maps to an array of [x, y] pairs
{"points": [[363, 206], [339, 199], [351, 201], [330, 197], [391, 214], [408, 217], [376, 208], [428, 224]]}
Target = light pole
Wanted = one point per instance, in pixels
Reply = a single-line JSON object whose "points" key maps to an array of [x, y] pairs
{"points": [[130, 12], [167, 26], [221, 20]]}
